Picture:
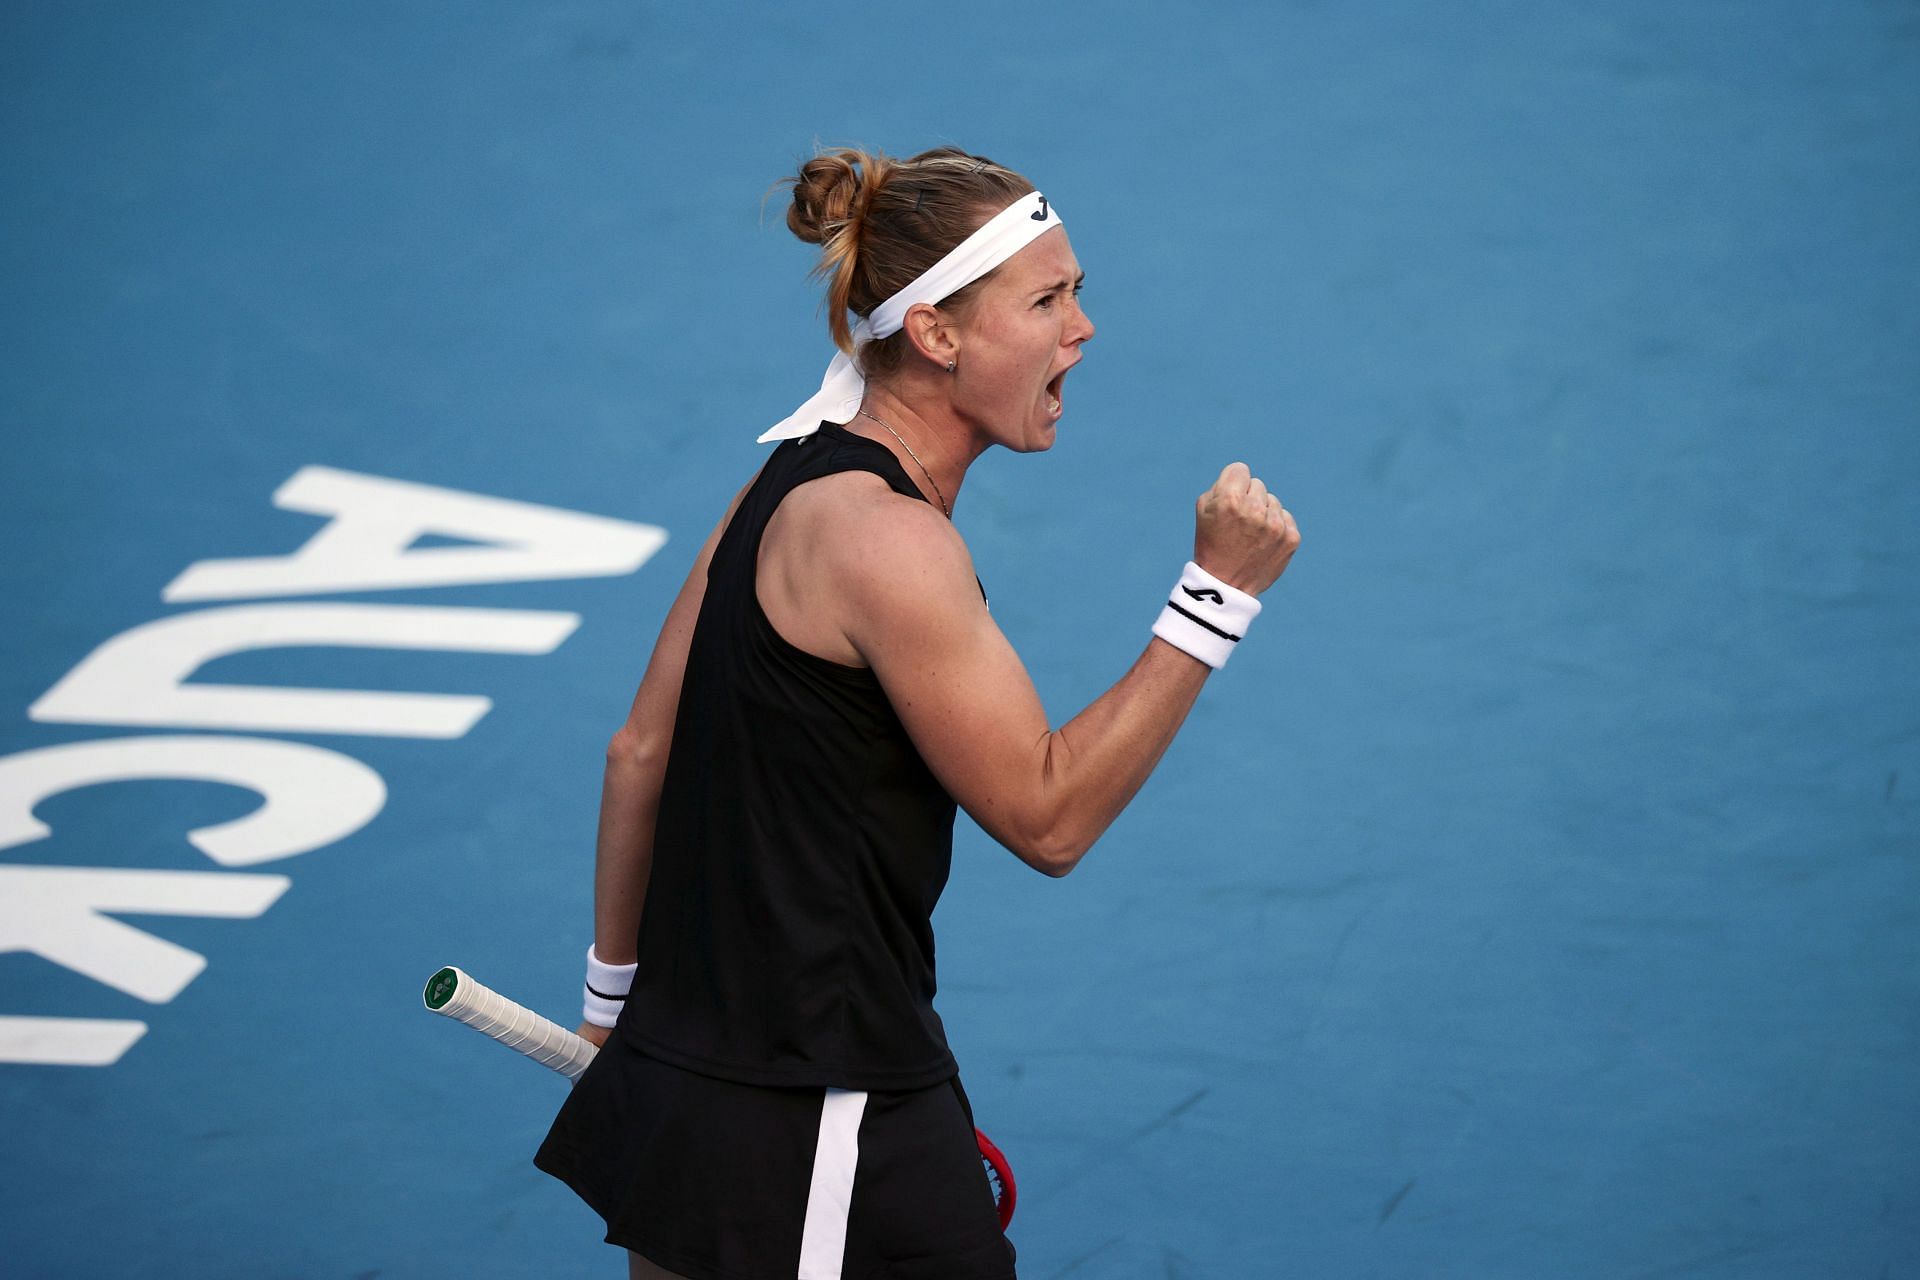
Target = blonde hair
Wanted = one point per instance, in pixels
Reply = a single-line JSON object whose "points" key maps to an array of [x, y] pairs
{"points": [[881, 222]]}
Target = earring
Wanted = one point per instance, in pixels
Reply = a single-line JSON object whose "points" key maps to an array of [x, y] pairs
{"points": [[951, 364]]}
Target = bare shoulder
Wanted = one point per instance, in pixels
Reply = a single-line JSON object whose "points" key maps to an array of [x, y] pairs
{"points": [[854, 526], [846, 557], [909, 589]]}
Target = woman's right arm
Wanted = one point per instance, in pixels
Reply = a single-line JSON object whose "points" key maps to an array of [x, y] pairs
{"points": [[635, 774], [905, 586]]}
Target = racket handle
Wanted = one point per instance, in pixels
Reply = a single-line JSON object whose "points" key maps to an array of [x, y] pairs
{"points": [[458, 996]]}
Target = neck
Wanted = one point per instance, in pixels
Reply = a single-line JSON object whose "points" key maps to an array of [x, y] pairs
{"points": [[934, 454]]}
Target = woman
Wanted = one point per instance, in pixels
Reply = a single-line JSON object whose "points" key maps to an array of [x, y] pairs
{"points": [[777, 1098]]}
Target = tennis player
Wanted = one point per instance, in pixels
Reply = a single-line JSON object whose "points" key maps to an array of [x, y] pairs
{"points": [[776, 1097]]}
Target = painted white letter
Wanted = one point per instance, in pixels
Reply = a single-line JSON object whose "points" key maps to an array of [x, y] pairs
{"points": [[139, 676], [375, 520], [56, 912], [67, 1042], [313, 796]]}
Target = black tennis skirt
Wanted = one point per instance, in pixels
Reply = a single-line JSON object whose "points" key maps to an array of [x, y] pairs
{"points": [[725, 1181]]}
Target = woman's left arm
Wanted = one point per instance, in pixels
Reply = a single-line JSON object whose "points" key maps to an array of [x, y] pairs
{"points": [[635, 776]]}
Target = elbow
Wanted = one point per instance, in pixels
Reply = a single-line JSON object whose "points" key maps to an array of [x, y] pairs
{"points": [[1051, 842], [1052, 855], [1056, 867], [632, 748]]}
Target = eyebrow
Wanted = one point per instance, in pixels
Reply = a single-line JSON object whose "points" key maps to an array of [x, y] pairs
{"points": [[1058, 285]]}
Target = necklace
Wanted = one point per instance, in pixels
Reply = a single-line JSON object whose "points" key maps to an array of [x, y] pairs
{"points": [[947, 510]]}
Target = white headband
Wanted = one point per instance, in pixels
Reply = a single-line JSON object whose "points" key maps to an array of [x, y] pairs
{"points": [[841, 391]]}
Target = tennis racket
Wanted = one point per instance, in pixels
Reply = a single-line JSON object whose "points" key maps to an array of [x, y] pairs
{"points": [[452, 993]]}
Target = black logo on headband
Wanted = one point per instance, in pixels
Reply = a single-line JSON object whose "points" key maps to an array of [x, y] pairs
{"points": [[1042, 215], [1205, 593]]}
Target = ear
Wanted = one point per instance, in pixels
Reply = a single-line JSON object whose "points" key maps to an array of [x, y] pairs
{"points": [[931, 334]]}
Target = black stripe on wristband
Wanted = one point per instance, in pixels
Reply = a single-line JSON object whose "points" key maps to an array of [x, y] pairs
{"points": [[1194, 617], [604, 996]]}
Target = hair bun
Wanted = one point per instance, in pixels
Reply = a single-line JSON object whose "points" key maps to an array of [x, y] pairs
{"points": [[832, 190]]}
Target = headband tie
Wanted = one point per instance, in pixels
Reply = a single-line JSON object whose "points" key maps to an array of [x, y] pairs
{"points": [[999, 238]]}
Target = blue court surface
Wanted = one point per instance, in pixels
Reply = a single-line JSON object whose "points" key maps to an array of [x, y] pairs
{"points": [[1537, 894]]}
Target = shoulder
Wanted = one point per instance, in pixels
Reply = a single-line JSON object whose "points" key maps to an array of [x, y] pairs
{"points": [[857, 514], [879, 548]]}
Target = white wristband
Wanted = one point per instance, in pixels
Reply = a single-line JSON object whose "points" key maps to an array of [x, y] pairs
{"points": [[606, 990], [1205, 617]]}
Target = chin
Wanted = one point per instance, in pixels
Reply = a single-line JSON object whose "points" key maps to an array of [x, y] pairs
{"points": [[1035, 436]]}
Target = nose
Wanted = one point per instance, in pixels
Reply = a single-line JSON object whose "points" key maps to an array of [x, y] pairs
{"points": [[1082, 328]]}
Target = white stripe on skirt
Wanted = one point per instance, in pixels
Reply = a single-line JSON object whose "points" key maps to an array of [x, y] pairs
{"points": [[823, 1244]]}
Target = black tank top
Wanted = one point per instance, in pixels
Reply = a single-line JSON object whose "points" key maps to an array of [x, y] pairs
{"points": [[800, 847]]}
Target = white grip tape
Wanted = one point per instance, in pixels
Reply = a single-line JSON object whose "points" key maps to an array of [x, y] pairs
{"points": [[514, 1025], [1205, 617]]}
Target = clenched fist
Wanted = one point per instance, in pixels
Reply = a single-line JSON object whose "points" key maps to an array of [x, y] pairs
{"points": [[1241, 533]]}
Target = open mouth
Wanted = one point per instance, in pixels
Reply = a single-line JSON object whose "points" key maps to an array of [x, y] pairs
{"points": [[1054, 388]]}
